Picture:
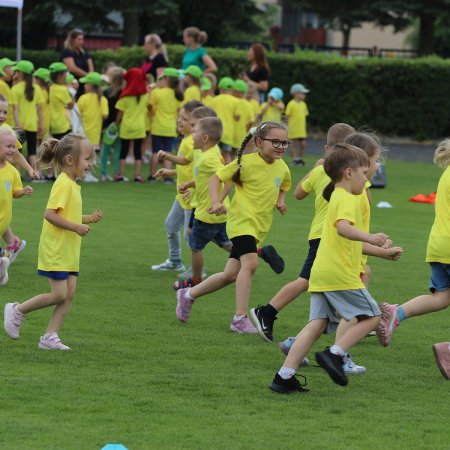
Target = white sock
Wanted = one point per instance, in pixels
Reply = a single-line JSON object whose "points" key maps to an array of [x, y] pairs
{"points": [[336, 350], [286, 373], [188, 294], [239, 317]]}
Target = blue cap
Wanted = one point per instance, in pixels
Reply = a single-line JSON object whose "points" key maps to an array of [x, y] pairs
{"points": [[276, 93]]}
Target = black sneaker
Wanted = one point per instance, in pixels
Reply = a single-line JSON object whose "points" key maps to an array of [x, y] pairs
{"points": [[333, 365], [289, 386], [263, 323], [271, 257]]}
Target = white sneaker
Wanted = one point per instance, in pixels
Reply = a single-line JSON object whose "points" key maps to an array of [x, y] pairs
{"points": [[51, 341], [188, 274], [4, 264], [169, 265], [89, 178], [350, 368], [107, 178]]}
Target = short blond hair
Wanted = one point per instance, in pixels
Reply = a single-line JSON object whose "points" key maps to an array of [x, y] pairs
{"points": [[442, 154]]}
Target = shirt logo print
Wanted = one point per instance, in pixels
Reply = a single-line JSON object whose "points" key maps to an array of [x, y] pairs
{"points": [[7, 185], [277, 182]]}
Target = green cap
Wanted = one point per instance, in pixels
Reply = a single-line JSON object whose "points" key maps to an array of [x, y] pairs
{"points": [[6, 62], [57, 67], [240, 86], [24, 66], [205, 84], [42, 73], [226, 83], [69, 78], [194, 71], [2, 74], [171, 72], [92, 78]]}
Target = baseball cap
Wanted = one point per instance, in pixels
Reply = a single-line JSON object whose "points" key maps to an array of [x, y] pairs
{"points": [[240, 86], [69, 78], [205, 84], [57, 67], [226, 83], [171, 72], [194, 71], [276, 93], [6, 62], [298, 87], [92, 78], [42, 73], [24, 66]]}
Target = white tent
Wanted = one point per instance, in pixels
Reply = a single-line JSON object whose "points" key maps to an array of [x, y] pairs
{"points": [[19, 5]]}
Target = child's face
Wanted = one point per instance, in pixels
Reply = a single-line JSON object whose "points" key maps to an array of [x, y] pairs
{"points": [[274, 145], [184, 122], [299, 96], [17, 76], [373, 164], [7, 147], [85, 160], [198, 136], [88, 87], [3, 112], [358, 178], [272, 101], [8, 73]]}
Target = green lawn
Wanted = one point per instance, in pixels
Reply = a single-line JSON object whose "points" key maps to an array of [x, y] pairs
{"points": [[138, 376]]}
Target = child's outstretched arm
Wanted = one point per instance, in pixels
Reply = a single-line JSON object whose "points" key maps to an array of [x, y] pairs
{"points": [[300, 193], [21, 161], [217, 207], [27, 190], [52, 216], [348, 231], [181, 160], [162, 173], [391, 253], [95, 217], [281, 204]]}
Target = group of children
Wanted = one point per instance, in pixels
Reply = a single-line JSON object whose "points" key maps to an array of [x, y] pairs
{"points": [[335, 271]]}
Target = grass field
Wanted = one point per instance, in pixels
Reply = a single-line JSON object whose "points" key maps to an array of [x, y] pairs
{"points": [[138, 376]]}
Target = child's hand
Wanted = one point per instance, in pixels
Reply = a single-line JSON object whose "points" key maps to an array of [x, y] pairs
{"points": [[282, 207], [182, 188], [82, 229], [187, 195], [161, 173], [33, 174], [319, 162], [394, 253], [162, 155], [378, 239], [96, 216], [217, 209], [388, 244], [28, 190]]}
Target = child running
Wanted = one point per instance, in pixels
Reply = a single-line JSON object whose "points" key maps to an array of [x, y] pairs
{"points": [[438, 256], [335, 283], [60, 242], [261, 180]]}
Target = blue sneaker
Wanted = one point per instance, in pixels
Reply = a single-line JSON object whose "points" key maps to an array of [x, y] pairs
{"points": [[286, 345], [350, 368]]}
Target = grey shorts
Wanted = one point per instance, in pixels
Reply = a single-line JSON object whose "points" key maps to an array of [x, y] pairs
{"points": [[346, 304]]}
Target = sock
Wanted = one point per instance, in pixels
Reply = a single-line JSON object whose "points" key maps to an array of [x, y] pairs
{"points": [[196, 280], [269, 310], [175, 261], [401, 313], [336, 350], [259, 250], [236, 317], [188, 294], [286, 373]]}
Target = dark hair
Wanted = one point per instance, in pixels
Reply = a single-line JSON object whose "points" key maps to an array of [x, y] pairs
{"points": [[29, 88], [174, 83], [211, 126], [337, 160], [53, 150], [203, 111], [260, 56], [191, 105], [338, 132], [195, 81], [261, 131], [54, 75]]}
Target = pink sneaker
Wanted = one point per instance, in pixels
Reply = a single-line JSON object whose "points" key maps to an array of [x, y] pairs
{"points": [[442, 354], [4, 264], [51, 341], [14, 249], [12, 320], [388, 323], [184, 305], [243, 325]]}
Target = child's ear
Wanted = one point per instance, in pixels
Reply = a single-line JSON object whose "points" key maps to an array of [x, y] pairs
{"points": [[69, 160]]}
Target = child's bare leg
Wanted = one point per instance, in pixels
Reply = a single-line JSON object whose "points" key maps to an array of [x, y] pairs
{"points": [[289, 292], [355, 333], [8, 236], [153, 163], [301, 147], [57, 294], [197, 263], [62, 309], [425, 304], [249, 263]]}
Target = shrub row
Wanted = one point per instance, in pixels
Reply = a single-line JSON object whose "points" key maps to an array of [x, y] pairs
{"points": [[395, 97]]}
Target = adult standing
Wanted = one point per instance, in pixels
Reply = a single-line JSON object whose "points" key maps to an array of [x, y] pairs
{"points": [[259, 70], [157, 58], [195, 54], [75, 57]]}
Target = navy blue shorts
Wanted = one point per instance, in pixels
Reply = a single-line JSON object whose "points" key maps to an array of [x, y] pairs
{"points": [[242, 245], [57, 275], [167, 144], [202, 233], [307, 266]]}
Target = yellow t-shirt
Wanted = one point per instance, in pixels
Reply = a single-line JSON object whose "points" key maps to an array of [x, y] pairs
{"points": [[192, 93], [206, 164], [28, 114], [5, 90], [195, 155], [92, 113], [252, 206], [338, 261], [148, 118], [226, 108], [59, 249], [164, 112], [45, 113], [10, 182], [296, 113], [256, 107], [59, 99], [133, 120], [244, 123], [438, 248], [184, 173], [271, 113], [207, 100], [317, 181], [364, 204]]}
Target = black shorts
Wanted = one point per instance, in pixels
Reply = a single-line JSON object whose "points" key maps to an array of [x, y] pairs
{"points": [[243, 245], [307, 266]]}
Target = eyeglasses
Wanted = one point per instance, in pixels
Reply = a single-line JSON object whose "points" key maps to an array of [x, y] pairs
{"points": [[276, 143]]}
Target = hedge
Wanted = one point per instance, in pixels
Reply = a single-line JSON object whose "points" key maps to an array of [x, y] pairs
{"points": [[397, 97]]}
